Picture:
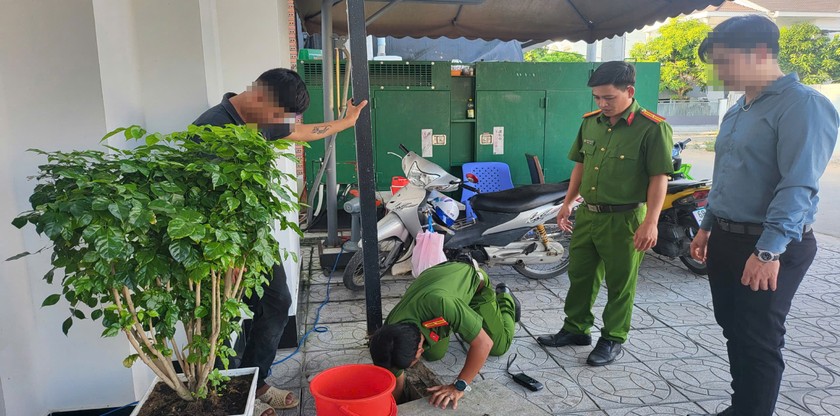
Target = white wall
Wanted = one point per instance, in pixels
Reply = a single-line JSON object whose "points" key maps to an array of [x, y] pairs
{"points": [[70, 71]]}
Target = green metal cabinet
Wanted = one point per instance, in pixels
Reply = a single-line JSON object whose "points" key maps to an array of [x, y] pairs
{"points": [[401, 118], [539, 106]]}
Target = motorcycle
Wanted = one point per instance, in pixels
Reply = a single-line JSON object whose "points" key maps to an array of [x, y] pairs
{"points": [[507, 230], [682, 213]]}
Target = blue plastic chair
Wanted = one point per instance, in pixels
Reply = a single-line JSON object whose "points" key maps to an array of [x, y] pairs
{"points": [[492, 177]]}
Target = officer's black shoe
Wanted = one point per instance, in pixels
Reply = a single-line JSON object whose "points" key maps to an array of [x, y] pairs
{"points": [[605, 352], [502, 288], [563, 338], [729, 411]]}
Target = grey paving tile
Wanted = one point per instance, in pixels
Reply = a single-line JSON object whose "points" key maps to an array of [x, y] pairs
{"points": [[660, 344], [709, 337], [817, 402], [448, 367], [339, 336], [660, 410], [345, 311], [641, 319], [816, 285], [299, 393], [652, 292], [317, 361], [560, 394], [831, 297], [828, 357], [668, 274], [680, 313], [697, 291], [810, 333], [517, 282], [541, 322], [538, 299], [622, 385], [286, 375], [826, 265], [809, 306], [529, 356], [338, 292], [802, 374], [696, 378]]}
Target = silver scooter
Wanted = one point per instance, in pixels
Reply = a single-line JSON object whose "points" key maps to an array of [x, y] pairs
{"points": [[508, 228]]}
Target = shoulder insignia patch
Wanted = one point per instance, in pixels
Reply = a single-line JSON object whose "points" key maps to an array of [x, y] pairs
{"points": [[435, 337], [656, 118], [592, 113], [434, 323]]}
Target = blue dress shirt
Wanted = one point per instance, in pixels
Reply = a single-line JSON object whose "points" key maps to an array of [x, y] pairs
{"points": [[769, 157]]}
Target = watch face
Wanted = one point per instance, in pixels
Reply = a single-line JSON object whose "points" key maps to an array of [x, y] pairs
{"points": [[765, 255], [461, 385]]}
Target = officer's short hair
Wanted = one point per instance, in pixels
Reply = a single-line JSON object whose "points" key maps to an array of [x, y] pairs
{"points": [[287, 89], [395, 346], [741, 32], [617, 73]]}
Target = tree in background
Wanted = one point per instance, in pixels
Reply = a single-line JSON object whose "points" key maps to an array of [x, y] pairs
{"points": [[547, 55], [804, 49], [676, 50]]}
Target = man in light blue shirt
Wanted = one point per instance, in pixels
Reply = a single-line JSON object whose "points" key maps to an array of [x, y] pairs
{"points": [[756, 237]]}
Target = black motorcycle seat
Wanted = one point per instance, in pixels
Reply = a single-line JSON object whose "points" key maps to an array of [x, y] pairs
{"points": [[521, 198], [683, 184]]}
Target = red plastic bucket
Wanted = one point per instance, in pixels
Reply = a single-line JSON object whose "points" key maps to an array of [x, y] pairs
{"points": [[354, 390], [397, 182]]}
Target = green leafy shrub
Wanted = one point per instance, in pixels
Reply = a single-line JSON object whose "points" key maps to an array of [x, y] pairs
{"points": [[174, 231]]}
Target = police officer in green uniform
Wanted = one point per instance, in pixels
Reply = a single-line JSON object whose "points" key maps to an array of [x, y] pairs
{"points": [[452, 297], [623, 158]]}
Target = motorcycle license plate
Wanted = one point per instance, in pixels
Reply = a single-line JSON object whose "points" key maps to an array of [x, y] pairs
{"points": [[699, 214]]}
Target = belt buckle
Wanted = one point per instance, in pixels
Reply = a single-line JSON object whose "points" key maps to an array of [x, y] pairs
{"points": [[593, 208]]}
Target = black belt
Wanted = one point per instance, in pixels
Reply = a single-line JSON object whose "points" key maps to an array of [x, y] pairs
{"points": [[611, 208], [749, 228]]}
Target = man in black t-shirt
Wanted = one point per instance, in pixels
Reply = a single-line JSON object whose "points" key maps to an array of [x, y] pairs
{"points": [[272, 103]]}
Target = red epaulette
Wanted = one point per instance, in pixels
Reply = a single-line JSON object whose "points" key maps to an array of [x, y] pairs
{"points": [[434, 323], [656, 118], [592, 113]]}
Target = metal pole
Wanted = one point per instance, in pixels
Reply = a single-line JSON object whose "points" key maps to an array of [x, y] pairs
{"points": [[364, 156], [327, 63]]}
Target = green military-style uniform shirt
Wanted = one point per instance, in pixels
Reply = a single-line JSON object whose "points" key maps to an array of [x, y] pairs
{"points": [[446, 299], [618, 162], [638, 147]]}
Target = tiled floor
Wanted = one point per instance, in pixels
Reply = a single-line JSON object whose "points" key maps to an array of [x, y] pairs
{"points": [[674, 362]]}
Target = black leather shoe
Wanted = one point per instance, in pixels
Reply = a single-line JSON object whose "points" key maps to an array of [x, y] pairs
{"points": [[563, 338], [729, 411], [605, 352], [502, 288]]}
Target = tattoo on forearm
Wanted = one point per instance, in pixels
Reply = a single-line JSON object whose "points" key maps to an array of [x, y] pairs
{"points": [[320, 130]]}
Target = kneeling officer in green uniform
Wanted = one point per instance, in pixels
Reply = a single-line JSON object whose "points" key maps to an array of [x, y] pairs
{"points": [[450, 297]]}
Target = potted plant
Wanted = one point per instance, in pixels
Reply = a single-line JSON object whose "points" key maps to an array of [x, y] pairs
{"points": [[171, 233]]}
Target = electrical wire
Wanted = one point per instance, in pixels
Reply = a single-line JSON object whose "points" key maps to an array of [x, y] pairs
{"points": [[315, 326], [118, 409]]}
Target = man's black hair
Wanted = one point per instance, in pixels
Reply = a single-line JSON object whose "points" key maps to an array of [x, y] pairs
{"points": [[617, 73], [741, 32], [395, 346], [287, 89]]}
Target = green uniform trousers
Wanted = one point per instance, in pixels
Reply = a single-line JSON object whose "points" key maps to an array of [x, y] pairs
{"points": [[498, 314], [602, 247]]}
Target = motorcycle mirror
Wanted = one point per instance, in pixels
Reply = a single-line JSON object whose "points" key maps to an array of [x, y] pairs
{"points": [[404, 149], [471, 178]]}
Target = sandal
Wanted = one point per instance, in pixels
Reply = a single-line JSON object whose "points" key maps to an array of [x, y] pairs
{"points": [[276, 398], [260, 409]]}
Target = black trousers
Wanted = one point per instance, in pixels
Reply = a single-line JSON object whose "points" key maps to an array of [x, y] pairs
{"points": [[754, 322], [262, 335]]}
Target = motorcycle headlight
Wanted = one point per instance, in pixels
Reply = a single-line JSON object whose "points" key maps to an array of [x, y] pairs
{"points": [[418, 177]]}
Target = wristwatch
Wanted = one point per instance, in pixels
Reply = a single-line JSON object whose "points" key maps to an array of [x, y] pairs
{"points": [[765, 256], [461, 385]]}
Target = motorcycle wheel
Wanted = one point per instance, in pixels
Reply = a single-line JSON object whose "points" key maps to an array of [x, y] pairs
{"points": [[549, 270], [694, 266], [354, 273]]}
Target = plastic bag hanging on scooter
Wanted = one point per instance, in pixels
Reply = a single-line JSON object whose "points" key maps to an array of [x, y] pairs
{"points": [[428, 250]]}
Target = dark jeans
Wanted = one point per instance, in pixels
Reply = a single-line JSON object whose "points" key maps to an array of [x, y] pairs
{"points": [[754, 322], [262, 334]]}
